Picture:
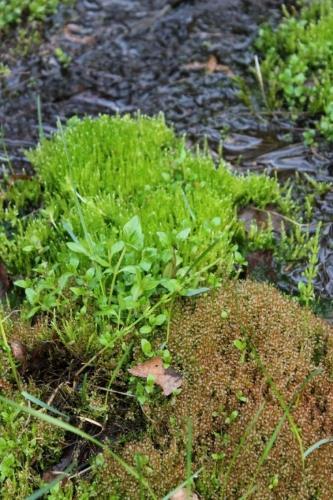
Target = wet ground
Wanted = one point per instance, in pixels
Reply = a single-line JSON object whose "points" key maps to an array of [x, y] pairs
{"points": [[179, 57]]}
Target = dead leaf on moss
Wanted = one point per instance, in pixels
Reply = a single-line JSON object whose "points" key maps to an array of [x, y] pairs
{"points": [[167, 378], [260, 265], [262, 218], [182, 494]]}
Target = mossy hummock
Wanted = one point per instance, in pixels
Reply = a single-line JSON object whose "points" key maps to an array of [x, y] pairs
{"points": [[234, 401]]}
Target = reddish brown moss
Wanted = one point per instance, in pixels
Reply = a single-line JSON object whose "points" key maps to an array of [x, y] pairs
{"points": [[291, 343]]}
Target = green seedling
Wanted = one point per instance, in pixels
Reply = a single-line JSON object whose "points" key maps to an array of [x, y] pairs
{"points": [[232, 417], [241, 345], [64, 58], [224, 314]]}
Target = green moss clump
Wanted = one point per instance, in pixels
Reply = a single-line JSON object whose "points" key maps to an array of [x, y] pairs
{"points": [[297, 64], [127, 216], [234, 398]]}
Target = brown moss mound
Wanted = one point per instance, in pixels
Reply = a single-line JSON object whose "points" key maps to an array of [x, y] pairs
{"points": [[283, 344]]}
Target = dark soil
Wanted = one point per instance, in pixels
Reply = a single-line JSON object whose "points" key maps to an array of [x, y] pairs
{"points": [[176, 56]]}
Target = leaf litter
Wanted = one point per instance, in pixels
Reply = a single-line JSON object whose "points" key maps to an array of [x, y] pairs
{"points": [[167, 378]]}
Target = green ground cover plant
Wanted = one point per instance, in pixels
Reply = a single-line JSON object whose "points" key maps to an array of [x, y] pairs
{"points": [[297, 65], [126, 219], [15, 11], [120, 224]]}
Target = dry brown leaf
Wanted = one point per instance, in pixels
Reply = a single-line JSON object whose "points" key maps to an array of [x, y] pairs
{"points": [[211, 66], [182, 494], [73, 33], [263, 218], [167, 378], [19, 352], [260, 265]]}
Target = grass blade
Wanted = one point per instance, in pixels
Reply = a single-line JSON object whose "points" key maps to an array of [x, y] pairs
{"points": [[241, 444], [274, 436], [182, 485], [281, 401], [317, 445], [189, 449], [38, 402]]}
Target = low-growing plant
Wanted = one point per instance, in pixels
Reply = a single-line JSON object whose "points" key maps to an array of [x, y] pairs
{"points": [[296, 64], [14, 11], [128, 219], [62, 56]]}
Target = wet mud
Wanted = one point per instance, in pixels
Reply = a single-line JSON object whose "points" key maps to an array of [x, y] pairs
{"points": [[180, 57]]}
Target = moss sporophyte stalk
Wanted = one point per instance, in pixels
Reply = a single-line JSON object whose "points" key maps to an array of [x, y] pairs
{"points": [[125, 247]]}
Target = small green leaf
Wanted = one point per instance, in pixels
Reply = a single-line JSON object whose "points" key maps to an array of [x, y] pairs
{"points": [[133, 232], [117, 247], [31, 295], [77, 248], [22, 283], [164, 239], [184, 234], [146, 348], [27, 249], [90, 273], [150, 379], [240, 344], [145, 329], [166, 356], [62, 281], [160, 319]]}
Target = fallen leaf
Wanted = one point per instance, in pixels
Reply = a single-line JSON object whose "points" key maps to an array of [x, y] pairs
{"points": [[73, 33], [211, 66], [260, 265], [182, 494], [167, 378], [262, 218], [19, 352]]}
